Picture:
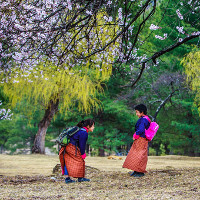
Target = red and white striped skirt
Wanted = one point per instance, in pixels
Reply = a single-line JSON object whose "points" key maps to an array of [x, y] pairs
{"points": [[137, 157], [74, 162]]}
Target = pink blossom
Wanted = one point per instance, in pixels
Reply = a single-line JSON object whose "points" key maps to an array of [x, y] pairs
{"points": [[17, 26], [17, 56], [180, 39], [120, 13], [88, 12], [14, 81], [5, 114], [180, 29], [197, 7], [28, 7], [110, 19], [161, 38], [179, 14], [154, 27], [4, 4], [196, 33], [69, 6]]}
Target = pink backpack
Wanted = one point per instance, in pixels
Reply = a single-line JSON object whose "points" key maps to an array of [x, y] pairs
{"points": [[151, 131]]}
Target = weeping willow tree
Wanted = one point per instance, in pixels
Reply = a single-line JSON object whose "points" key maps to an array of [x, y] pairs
{"points": [[61, 86], [192, 71]]}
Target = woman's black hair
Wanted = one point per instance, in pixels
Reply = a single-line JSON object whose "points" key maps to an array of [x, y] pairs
{"points": [[141, 108], [87, 122]]}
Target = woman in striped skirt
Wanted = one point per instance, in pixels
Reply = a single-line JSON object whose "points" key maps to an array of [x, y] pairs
{"points": [[137, 157], [72, 156]]}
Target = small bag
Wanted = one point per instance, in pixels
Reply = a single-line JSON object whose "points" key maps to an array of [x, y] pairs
{"points": [[152, 130], [64, 138]]}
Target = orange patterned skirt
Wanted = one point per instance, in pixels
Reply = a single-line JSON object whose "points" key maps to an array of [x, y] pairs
{"points": [[74, 162], [137, 157]]}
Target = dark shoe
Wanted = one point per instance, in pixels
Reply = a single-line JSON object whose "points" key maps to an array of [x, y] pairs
{"points": [[83, 179], [138, 175], [69, 180], [132, 173]]}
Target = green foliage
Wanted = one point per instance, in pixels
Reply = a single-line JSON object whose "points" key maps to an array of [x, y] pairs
{"points": [[4, 130], [21, 135], [187, 138], [114, 126], [17, 135], [191, 65], [152, 152], [81, 88], [70, 87], [162, 149]]}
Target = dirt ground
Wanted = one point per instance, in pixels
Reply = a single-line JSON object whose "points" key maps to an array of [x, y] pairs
{"points": [[31, 177]]}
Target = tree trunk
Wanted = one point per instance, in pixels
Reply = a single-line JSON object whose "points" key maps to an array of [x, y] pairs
{"points": [[101, 152], [39, 142], [1, 149]]}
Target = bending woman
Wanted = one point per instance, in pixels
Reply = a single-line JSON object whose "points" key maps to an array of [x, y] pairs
{"points": [[73, 164]]}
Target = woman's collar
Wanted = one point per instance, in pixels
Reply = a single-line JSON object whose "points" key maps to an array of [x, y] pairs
{"points": [[86, 129]]}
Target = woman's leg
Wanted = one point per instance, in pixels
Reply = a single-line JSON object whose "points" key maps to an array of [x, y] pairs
{"points": [[67, 179]]}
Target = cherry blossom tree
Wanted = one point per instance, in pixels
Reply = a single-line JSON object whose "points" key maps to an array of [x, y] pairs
{"points": [[37, 29]]}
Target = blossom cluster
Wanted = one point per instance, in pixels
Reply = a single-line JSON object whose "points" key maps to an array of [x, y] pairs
{"points": [[154, 27], [179, 14], [53, 29], [5, 114], [180, 9], [180, 29], [196, 33], [57, 30], [66, 31], [160, 37]]}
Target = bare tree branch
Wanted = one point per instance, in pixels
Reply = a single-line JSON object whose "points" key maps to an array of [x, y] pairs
{"points": [[162, 52], [138, 14], [170, 48], [140, 28], [163, 104]]}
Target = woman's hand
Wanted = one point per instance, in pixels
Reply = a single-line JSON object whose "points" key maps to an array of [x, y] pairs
{"points": [[83, 156], [135, 137]]}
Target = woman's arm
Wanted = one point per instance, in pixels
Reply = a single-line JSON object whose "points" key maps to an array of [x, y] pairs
{"points": [[82, 142], [140, 128]]}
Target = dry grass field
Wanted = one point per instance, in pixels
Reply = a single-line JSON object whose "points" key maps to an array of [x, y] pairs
{"points": [[30, 177]]}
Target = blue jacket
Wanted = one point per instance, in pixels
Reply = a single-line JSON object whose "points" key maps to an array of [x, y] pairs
{"points": [[81, 138], [140, 126]]}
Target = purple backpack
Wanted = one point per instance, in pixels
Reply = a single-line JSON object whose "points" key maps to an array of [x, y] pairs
{"points": [[151, 131]]}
